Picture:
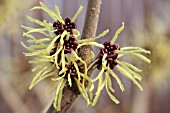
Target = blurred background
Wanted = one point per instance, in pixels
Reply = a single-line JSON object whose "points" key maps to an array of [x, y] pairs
{"points": [[146, 25]]}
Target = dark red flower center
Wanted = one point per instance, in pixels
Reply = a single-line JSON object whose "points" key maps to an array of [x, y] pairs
{"points": [[58, 27], [108, 49], [70, 45], [72, 70], [68, 26]]}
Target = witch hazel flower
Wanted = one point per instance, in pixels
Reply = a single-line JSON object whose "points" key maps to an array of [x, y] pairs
{"points": [[58, 26], [74, 72], [108, 59], [108, 49], [70, 44], [68, 25], [55, 55]]}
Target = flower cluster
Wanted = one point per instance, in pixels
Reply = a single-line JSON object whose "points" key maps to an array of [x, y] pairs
{"points": [[108, 59], [60, 27], [108, 49], [57, 57]]}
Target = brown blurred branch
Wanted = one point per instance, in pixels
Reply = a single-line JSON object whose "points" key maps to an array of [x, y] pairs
{"points": [[89, 30]]}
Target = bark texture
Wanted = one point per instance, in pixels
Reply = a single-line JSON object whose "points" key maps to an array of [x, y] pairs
{"points": [[90, 26]]}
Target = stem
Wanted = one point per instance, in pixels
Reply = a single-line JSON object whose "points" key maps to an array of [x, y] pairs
{"points": [[89, 30], [90, 26], [69, 96]]}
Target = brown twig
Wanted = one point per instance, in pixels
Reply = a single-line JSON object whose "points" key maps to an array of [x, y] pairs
{"points": [[90, 26], [89, 30]]}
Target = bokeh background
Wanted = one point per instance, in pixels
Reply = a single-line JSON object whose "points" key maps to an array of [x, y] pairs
{"points": [[146, 25]]}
